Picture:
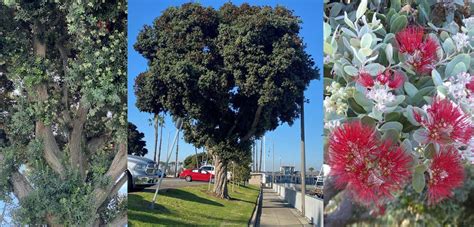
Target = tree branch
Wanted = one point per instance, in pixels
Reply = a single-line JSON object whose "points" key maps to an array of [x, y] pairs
{"points": [[76, 158], [116, 169], [21, 186], [51, 149], [252, 129]]}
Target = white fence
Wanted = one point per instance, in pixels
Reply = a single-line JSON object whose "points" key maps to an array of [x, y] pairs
{"points": [[313, 206]]}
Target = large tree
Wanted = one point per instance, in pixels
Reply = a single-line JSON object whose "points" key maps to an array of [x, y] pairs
{"points": [[231, 74], [136, 144], [67, 127]]}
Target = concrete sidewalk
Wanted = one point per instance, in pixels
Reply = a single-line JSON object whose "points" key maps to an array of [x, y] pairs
{"points": [[276, 212]]}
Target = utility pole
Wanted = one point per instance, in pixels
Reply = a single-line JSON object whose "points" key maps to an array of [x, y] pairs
{"points": [[261, 151], [176, 163], [273, 164], [264, 154], [303, 161]]}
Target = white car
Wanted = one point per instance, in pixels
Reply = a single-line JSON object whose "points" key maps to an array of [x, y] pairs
{"points": [[211, 169]]}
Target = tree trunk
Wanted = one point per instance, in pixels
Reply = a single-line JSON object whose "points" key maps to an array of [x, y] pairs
{"points": [[155, 119], [161, 140], [220, 181]]}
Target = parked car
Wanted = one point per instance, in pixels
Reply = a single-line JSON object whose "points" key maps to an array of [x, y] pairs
{"points": [[211, 169], [142, 172], [196, 175], [208, 168]]}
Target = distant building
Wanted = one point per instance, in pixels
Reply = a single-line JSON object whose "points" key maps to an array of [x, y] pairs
{"points": [[287, 170]]}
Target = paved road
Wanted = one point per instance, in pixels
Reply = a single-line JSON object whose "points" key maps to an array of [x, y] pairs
{"points": [[177, 183], [276, 212]]}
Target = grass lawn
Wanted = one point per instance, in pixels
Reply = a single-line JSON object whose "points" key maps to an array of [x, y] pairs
{"points": [[191, 206]]}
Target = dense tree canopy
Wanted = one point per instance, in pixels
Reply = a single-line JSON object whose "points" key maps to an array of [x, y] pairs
{"points": [[190, 161], [67, 121], [231, 74], [136, 144]]}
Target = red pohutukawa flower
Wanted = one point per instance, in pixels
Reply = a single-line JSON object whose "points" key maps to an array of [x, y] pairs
{"points": [[365, 79], [446, 173], [422, 53], [410, 39], [368, 168], [394, 79], [470, 85], [446, 123]]}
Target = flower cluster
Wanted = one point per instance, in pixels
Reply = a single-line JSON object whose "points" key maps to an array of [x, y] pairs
{"points": [[421, 53], [412, 86], [337, 102], [369, 168]]}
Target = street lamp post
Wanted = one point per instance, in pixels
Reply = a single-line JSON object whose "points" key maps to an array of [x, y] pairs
{"points": [[303, 161]]}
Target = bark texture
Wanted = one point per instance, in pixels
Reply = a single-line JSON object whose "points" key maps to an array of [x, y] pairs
{"points": [[220, 181]]}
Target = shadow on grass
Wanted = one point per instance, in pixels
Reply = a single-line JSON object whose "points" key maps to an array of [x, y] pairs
{"points": [[149, 218], [137, 203], [184, 195]]}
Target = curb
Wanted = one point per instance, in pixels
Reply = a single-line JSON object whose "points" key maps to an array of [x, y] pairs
{"points": [[257, 210]]}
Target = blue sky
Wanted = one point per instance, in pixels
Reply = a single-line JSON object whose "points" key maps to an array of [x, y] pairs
{"points": [[286, 139]]}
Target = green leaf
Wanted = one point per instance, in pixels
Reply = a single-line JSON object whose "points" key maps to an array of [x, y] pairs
{"points": [[366, 40], [348, 21], [398, 24], [436, 78], [391, 135], [389, 53], [392, 125], [374, 68], [420, 135], [465, 58], [327, 30], [448, 46], [459, 68], [396, 5], [361, 9], [418, 180], [418, 98], [366, 120], [410, 89], [351, 70], [406, 146], [392, 116], [355, 107], [362, 100]]}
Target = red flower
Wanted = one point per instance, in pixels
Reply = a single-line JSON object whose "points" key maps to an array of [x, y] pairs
{"points": [[470, 85], [365, 80], [396, 81], [422, 54], [410, 39], [383, 78], [446, 123], [423, 60], [371, 171], [446, 173]]}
